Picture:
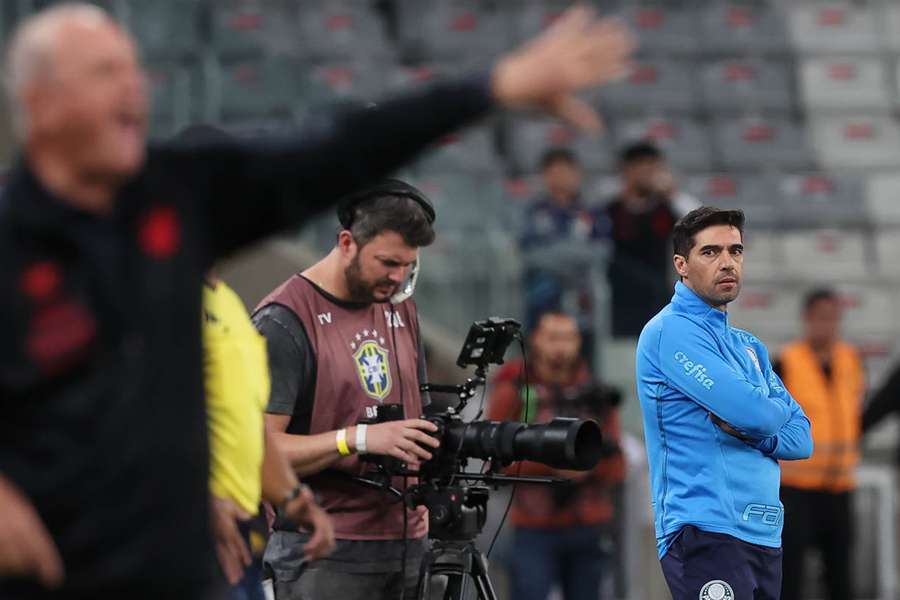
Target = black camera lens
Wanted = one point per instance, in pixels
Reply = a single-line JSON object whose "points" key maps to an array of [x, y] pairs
{"points": [[562, 443]]}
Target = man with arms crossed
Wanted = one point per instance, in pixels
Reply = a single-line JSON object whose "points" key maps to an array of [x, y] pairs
{"points": [[341, 344], [717, 420]]}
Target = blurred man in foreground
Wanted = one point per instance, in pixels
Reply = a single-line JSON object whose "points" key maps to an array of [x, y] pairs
{"points": [[103, 250], [825, 375], [562, 534]]}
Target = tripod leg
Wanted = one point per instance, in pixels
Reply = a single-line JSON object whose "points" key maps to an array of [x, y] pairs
{"points": [[481, 578], [424, 586]]}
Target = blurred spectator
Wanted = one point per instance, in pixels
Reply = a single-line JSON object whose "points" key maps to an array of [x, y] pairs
{"points": [[825, 375], [555, 220], [561, 534], [642, 216]]}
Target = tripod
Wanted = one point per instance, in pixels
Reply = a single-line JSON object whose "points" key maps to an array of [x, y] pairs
{"points": [[458, 561]]}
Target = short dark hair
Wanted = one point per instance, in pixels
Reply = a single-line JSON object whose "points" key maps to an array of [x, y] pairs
{"points": [[557, 154], [818, 295], [641, 150], [699, 219], [392, 213]]}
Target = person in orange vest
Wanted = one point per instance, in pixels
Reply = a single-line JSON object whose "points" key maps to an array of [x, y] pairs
{"points": [[825, 375]]}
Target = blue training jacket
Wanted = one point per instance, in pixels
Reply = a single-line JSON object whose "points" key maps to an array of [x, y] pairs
{"points": [[692, 364]]}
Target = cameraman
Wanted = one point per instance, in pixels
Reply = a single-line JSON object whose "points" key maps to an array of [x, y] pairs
{"points": [[558, 530], [342, 342]]}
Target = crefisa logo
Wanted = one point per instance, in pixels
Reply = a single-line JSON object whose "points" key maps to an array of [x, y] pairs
{"points": [[695, 370]]}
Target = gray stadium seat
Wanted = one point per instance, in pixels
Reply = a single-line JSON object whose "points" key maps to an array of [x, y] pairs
{"points": [[856, 141], [405, 77], [825, 255], [530, 17], [739, 85], [163, 28], [652, 85], [531, 138], [341, 30], [456, 29], [350, 80], [255, 87], [765, 310], [684, 141], [756, 142], [252, 27], [833, 27], [844, 83], [866, 308], [883, 199], [170, 97], [890, 26], [745, 27], [754, 195], [820, 199], [663, 29], [887, 246], [470, 151]]}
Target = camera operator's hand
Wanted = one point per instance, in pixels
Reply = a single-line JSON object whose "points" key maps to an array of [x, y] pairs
{"points": [[231, 549], [26, 548], [576, 52], [404, 440], [304, 510]]}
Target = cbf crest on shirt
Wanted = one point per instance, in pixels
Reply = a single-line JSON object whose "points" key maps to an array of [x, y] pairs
{"points": [[372, 363]]}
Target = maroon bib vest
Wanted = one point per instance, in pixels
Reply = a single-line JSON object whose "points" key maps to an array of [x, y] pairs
{"points": [[357, 365]]}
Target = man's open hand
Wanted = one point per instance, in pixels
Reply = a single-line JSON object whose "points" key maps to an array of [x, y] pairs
{"points": [[576, 52], [26, 548]]}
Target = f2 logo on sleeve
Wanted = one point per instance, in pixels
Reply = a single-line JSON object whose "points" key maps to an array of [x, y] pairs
{"points": [[768, 514]]}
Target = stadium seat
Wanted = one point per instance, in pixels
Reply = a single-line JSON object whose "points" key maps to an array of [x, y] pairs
{"points": [[821, 199], [170, 97], [766, 310], [470, 151], [887, 249], [456, 29], [754, 195], [762, 253], [256, 87], [355, 81], [735, 85], [163, 28], [663, 29], [756, 142], [891, 25], [684, 141], [531, 138], [530, 17], [741, 28], [883, 199], [243, 28], [856, 141], [833, 26], [844, 83], [866, 308], [652, 85], [825, 255], [341, 30]]}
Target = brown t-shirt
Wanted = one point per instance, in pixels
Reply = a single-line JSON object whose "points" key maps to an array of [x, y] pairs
{"points": [[364, 355]]}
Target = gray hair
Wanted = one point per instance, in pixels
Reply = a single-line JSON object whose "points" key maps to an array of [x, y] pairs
{"points": [[28, 56]]}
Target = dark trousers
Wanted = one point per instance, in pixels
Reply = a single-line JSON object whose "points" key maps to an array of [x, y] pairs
{"points": [[572, 557], [715, 566], [821, 520]]}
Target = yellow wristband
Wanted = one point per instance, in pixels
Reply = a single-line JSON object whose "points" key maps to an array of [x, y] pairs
{"points": [[341, 439]]}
